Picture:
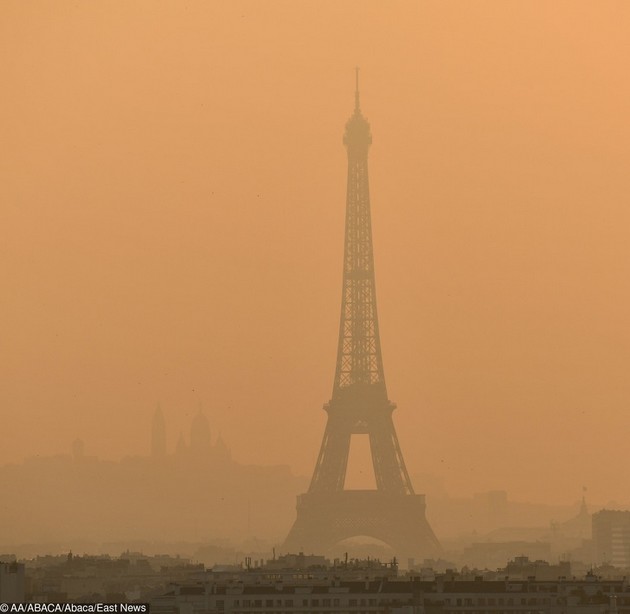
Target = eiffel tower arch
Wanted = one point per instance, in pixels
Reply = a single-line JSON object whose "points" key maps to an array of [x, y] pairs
{"points": [[392, 513]]}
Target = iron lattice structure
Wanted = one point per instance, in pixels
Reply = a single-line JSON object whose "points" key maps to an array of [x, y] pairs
{"points": [[359, 358], [359, 403]]}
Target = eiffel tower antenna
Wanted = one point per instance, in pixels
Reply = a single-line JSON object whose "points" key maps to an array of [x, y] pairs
{"points": [[328, 513]]}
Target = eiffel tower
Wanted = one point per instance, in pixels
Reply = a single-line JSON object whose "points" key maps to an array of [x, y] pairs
{"points": [[392, 513]]}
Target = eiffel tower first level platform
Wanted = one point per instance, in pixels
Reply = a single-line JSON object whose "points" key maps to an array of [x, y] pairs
{"points": [[328, 513]]}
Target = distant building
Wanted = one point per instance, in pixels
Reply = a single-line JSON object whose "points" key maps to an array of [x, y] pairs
{"points": [[131, 576], [11, 582], [494, 554], [311, 584], [336, 593], [200, 447], [611, 537], [579, 526], [523, 568]]}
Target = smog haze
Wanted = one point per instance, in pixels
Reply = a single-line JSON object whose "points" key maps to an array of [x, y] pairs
{"points": [[173, 191]]}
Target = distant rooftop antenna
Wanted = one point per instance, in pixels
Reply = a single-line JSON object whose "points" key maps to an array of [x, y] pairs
{"points": [[357, 106]]}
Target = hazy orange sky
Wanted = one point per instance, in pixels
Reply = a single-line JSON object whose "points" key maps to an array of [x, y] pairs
{"points": [[172, 188]]}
